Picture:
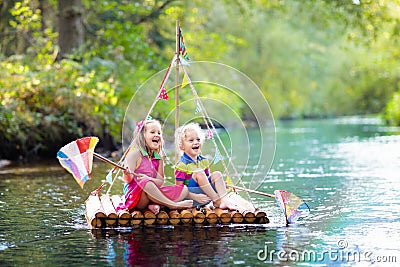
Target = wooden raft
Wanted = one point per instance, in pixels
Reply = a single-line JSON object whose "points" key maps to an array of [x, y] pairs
{"points": [[100, 213]]}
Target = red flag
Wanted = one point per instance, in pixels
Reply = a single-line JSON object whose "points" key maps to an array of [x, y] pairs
{"points": [[163, 94]]}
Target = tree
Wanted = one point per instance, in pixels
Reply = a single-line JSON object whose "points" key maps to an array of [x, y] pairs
{"points": [[71, 35]]}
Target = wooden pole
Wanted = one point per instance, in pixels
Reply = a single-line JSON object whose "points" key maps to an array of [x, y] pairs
{"points": [[108, 161], [112, 163], [177, 84]]}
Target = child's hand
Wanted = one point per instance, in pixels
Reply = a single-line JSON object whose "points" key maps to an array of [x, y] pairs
{"points": [[128, 176], [201, 198]]}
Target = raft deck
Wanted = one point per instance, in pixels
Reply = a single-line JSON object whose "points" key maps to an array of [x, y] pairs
{"points": [[100, 213]]}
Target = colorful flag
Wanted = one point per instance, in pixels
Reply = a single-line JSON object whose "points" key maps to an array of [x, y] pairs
{"points": [[163, 94], [291, 205], [77, 158], [182, 47]]}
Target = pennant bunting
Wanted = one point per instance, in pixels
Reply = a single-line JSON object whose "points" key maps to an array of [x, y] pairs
{"points": [[198, 108], [183, 61], [163, 94], [185, 80], [229, 184], [209, 133], [182, 47], [109, 177], [218, 156]]}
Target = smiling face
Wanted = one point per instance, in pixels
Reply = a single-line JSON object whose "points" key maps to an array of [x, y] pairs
{"points": [[152, 136], [191, 143]]}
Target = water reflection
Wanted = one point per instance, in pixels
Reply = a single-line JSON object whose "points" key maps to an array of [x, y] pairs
{"points": [[182, 246]]}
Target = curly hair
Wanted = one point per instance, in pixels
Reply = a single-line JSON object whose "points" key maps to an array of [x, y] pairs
{"points": [[180, 133]]}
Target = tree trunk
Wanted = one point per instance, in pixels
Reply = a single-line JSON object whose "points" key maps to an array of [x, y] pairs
{"points": [[70, 26]]}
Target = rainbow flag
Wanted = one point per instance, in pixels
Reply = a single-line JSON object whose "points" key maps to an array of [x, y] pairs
{"points": [[77, 158], [182, 47], [291, 205]]}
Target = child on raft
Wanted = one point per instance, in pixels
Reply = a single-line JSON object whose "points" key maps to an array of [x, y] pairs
{"points": [[145, 173], [193, 171]]}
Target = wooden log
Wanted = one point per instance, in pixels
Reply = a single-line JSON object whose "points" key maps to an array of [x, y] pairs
{"points": [[162, 218], [198, 216], [263, 220], [124, 217], [174, 217], [149, 217], [249, 216], [224, 216], [261, 217], [109, 210], [186, 217], [136, 217], [237, 217], [94, 214], [211, 216]]}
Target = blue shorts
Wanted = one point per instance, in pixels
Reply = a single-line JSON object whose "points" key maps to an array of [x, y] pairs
{"points": [[197, 190]]}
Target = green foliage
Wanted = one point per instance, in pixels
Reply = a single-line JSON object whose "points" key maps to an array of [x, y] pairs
{"points": [[46, 104], [310, 58], [392, 112]]}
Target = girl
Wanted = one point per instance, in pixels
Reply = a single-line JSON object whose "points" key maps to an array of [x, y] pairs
{"points": [[145, 175], [193, 170]]}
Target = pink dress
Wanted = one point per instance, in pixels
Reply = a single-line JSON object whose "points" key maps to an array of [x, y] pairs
{"points": [[133, 190]]}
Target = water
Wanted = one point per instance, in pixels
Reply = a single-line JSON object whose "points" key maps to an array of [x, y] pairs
{"points": [[346, 169]]}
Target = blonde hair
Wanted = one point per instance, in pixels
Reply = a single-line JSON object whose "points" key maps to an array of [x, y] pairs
{"points": [[180, 133], [139, 135]]}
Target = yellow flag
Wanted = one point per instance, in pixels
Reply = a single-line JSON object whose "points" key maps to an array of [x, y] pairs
{"points": [[185, 81], [228, 183]]}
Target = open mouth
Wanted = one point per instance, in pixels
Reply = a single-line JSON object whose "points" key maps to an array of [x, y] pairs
{"points": [[155, 141], [195, 147]]}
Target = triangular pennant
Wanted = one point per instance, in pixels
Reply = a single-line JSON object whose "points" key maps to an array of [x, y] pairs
{"points": [[182, 47], [229, 184], [109, 177], [183, 61], [185, 80], [209, 133], [198, 108], [218, 156], [163, 94]]}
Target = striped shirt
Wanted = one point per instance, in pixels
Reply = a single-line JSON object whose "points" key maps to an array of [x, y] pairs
{"points": [[186, 166]]}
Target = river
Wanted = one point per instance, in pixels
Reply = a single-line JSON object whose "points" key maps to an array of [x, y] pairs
{"points": [[346, 169]]}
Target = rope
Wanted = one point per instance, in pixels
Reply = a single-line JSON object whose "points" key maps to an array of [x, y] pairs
{"points": [[205, 118], [120, 162]]}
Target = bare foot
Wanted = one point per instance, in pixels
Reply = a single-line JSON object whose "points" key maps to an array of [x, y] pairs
{"points": [[226, 204], [217, 203], [155, 208]]}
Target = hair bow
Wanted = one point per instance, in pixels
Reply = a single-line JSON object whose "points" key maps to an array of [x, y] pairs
{"points": [[140, 124]]}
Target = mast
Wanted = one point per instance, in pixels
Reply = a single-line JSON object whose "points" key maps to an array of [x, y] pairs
{"points": [[177, 85]]}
